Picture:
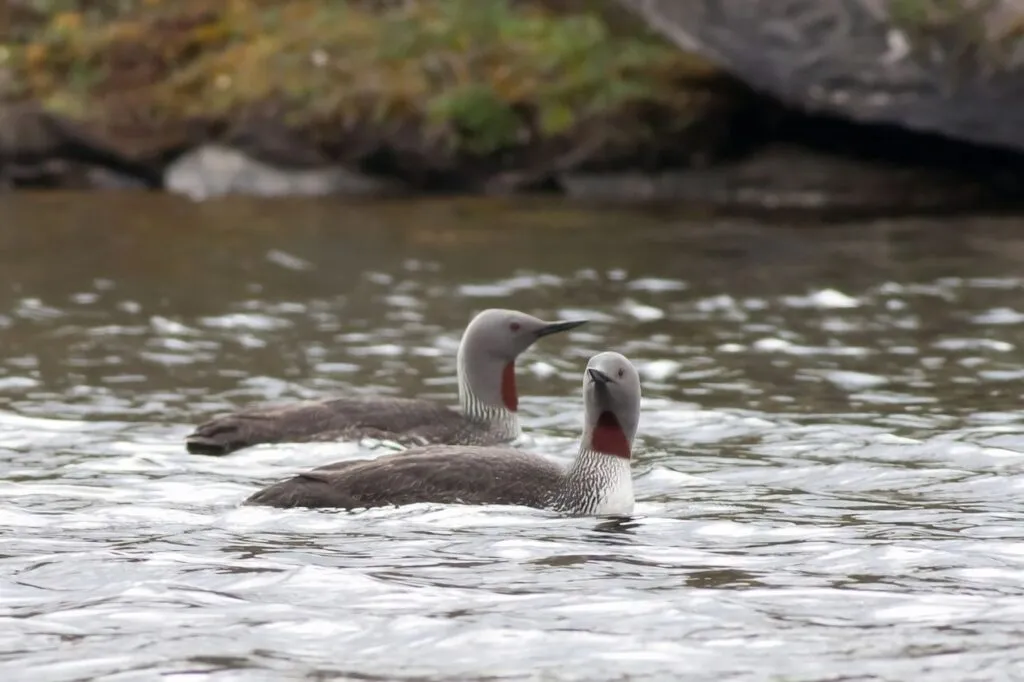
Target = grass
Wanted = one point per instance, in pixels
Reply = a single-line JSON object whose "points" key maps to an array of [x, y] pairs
{"points": [[470, 76], [974, 35], [922, 13]]}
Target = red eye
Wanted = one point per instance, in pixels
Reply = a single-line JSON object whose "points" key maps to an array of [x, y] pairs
{"points": [[621, 372], [514, 326]]}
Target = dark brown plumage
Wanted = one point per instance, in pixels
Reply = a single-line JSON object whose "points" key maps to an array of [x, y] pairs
{"points": [[430, 474], [408, 421]]}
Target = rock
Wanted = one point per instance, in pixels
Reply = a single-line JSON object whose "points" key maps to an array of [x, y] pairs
{"points": [[215, 170], [60, 174], [100, 178], [954, 67], [32, 141]]}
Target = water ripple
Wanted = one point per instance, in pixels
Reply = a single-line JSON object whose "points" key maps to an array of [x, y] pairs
{"points": [[829, 474]]}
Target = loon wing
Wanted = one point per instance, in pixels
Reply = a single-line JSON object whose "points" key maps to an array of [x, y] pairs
{"points": [[334, 419], [439, 474]]}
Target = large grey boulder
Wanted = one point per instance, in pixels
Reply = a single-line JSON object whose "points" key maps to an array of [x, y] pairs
{"points": [[954, 67]]}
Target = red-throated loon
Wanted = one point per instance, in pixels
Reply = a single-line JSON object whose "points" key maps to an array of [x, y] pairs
{"points": [[598, 482], [487, 395]]}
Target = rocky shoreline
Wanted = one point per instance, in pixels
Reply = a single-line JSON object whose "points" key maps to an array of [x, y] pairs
{"points": [[182, 98]]}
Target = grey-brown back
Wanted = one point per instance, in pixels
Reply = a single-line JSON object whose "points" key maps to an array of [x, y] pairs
{"points": [[409, 421], [439, 474]]}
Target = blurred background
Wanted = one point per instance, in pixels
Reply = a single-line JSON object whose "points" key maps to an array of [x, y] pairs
{"points": [[841, 106]]}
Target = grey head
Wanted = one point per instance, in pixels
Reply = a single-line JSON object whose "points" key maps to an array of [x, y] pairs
{"points": [[487, 355], [611, 404]]}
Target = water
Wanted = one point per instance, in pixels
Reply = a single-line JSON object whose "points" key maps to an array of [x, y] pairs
{"points": [[829, 482]]}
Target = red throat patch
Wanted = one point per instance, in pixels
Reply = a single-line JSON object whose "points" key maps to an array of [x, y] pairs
{"points": [[609, 438], [509, 396]]}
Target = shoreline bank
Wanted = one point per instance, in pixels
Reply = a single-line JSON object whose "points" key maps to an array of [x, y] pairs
{"points": [[463, 97]]}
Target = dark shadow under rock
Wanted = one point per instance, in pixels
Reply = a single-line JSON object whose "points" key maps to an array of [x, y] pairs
{"points": [[32, 140], [796, 179], [823, 164], [69, 175]]}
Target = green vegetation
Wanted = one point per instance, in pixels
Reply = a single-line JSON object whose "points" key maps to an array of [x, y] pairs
{"points": [[469, 76], [925, 12], [973, 35]]}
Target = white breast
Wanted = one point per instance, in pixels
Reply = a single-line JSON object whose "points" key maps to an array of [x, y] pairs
{"points": [[616, 490]]}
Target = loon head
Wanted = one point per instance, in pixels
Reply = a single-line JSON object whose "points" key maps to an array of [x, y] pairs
{"points": [[611, 404], [488, 351]]}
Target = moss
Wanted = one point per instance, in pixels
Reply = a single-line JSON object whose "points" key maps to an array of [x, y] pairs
{"points": [[474, 76], [973, 35], [923, 13]]}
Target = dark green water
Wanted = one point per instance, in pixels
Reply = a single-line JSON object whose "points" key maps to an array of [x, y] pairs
{"points": [[830, 481]]}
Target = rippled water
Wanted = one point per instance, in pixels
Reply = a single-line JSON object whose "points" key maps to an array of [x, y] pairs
{"points": [[830, 480]]}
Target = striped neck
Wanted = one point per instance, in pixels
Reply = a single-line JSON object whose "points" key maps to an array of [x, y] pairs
{"points": [[494, 417], [597, 484]]}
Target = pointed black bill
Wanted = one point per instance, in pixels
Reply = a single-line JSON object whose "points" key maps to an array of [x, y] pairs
{"points": [[597, 376], [555, 327]]}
